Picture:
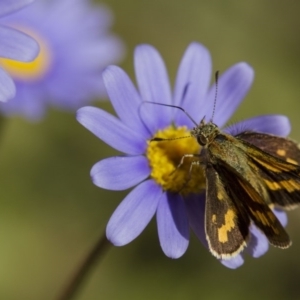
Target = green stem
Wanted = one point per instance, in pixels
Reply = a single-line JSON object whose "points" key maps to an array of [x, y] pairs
{"points": [[2, 124], [77, 279]]}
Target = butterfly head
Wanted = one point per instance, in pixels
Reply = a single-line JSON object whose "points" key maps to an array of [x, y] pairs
{"points": [[205, 132]]}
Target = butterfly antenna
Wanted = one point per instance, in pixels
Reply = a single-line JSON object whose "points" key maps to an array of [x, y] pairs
{"points": [[216, 95], [174, 106], [157, 139], [185, 90]]}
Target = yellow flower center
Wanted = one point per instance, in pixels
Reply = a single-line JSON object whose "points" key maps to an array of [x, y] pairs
{"points": [[29, 71], [164, 159]]}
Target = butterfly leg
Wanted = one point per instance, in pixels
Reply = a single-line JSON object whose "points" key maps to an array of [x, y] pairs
{"points": [[193, 163], [185, 156]]}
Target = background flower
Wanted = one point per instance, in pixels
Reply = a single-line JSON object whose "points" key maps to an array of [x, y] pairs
{"points": [[75, 46], [14, 45], [175, 209]]}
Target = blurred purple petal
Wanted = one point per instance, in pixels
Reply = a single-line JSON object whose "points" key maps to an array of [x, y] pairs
{"points": [[121, 172], [195, 206], [192, 82], [234, 262], [270, 124], [233, 86], [258, 244], [17, 45], [154, 86], [134, 213], [172, 224], [10, 6], [281, 216], [7, 86], [111, 130], [124, 98], [33, 110]]}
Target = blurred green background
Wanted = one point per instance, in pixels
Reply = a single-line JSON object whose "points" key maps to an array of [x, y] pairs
{"points": [[51, 214]]}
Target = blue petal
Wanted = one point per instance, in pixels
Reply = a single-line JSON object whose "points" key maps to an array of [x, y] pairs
{"points": [[7, 87], [121, 172], [17, 45], [154, 86], [173, 225], [195, 206], [233, 86], [192, 83], [111, 130], [258, 244], [134, 213], [234, 262], [9, 6], [281, 216], [270, 124], [124, 98]]}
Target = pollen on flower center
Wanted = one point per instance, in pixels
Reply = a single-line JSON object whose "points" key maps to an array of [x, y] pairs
{"points": [[165, 156], [29, 71]]}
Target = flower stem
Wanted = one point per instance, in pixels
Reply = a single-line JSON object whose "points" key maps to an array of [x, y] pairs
{"points": [[77, 279], [3, 123]]}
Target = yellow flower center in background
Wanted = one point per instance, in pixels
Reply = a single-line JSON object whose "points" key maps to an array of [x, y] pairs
{"points": [[165, 156], [29, 71]]}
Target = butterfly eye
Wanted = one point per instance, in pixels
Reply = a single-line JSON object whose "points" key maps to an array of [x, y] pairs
{"points": [[202, 140]]}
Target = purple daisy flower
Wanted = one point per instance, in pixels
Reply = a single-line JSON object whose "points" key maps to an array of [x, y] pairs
{"points": [[149, 166], [13, 45], [76, 46]]}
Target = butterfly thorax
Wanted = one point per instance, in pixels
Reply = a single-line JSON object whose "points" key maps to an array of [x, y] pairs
{"points": [[205, 133]]}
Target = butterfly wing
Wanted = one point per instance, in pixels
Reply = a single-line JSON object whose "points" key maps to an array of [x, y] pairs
{"points": [[262, 216], [251, 203], [280, 147], [276, 160], [226, 226]]}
